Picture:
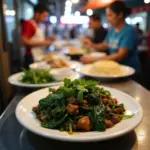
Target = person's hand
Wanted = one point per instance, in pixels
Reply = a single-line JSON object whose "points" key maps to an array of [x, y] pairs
{"points": [[52, 38], [87, 43], [87, 60], [47, 42]]}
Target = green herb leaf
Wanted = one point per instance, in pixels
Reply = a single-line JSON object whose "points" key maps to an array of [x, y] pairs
{"points": [[53, 124], [80, 96]]}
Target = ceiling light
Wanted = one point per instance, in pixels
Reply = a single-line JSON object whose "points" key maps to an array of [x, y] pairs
{"points": [[68, 3], [146, 1], [74, 19], [68, 8], [10, 13], [107, 1], [89, 12], [13, 12], [77, 13], [53, 19], [105, 25], [75, 1], [128, 20]]}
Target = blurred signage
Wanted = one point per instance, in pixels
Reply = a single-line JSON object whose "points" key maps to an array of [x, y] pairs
{"points": [[74, 19], [144, 8]]}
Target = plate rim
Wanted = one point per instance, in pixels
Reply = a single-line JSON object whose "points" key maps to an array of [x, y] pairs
{"points": [[88, 139], [106, 77], [19, 84]]}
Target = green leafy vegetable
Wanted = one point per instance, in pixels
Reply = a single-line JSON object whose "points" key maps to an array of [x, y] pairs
{"points": [[78, 105], [53, 124], [80, 96], [36, 77], [124, 116]]}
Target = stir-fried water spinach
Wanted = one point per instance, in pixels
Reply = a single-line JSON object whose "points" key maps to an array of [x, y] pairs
{"points": [[79, 105], [36, 77]]}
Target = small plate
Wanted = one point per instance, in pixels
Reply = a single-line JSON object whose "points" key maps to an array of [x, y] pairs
{"points": [[15, 79]]}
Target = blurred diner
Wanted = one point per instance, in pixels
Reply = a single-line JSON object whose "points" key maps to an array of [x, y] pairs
{"points": [[122, 39], [33, 37], [97, 33]]}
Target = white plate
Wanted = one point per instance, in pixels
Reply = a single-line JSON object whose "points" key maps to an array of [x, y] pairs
{"points": [[27, 118], [85, 70], [15, 79], [97, 55], [44, 66]]}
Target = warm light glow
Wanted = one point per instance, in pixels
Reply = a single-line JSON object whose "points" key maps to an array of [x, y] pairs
{"points": [[77, 13], [89, 12], [107, 1], [129, 112], [141, 135], [75, 1], [146, 1], [137, 98]]}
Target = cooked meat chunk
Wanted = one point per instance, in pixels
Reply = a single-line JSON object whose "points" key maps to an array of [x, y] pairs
{"points": [[110, 102], [115, 119], [84, 124], [108, 109], [115, 101], [72, 100], [85, 103], [118, 110], [105, 100], [40, 117], [35, 108], [103, 96], [72, 109], [108, 123]]}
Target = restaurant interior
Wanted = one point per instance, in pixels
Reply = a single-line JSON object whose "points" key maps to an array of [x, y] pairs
{"points": [[74, 74]]}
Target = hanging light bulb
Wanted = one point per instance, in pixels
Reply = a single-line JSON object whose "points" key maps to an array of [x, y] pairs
{"points": [[89, 12]]}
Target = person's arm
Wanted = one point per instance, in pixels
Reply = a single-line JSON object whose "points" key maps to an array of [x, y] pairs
{"points": [[100, 46], [28, 31], [28, 42], [120, 55]]}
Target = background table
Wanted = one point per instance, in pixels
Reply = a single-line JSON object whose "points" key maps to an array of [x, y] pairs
{"points": [[14, 137]]}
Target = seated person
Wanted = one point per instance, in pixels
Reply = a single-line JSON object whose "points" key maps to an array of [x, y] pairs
{"points": [[121, 41], [99, 33]]}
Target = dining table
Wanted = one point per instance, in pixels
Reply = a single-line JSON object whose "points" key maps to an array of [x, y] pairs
{"points": [[13, 136]]}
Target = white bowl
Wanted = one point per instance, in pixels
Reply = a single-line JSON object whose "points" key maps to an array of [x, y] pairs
{"points": [[62, 73], [40, 65]]}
